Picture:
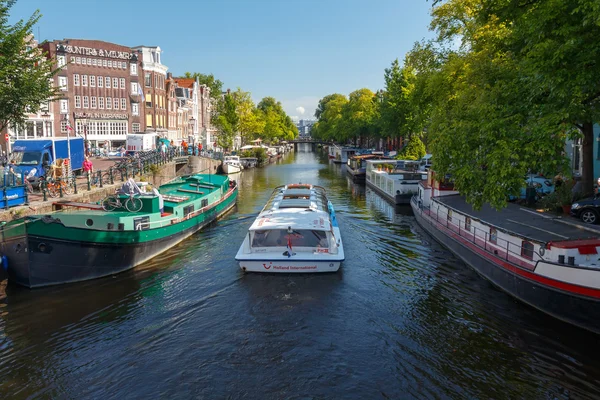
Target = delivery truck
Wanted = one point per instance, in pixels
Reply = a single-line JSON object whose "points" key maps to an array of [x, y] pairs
{"points": [[140, 142], [42, 153]]}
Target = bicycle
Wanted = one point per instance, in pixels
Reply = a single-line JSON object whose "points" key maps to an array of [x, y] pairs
{"points": [[113, 201]]}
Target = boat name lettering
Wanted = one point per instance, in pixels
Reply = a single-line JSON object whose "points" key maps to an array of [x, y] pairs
{"points": [[12, 197], [289, 267]]}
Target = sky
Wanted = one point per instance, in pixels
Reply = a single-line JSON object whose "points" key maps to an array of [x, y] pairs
{"points": [[294, 51]]}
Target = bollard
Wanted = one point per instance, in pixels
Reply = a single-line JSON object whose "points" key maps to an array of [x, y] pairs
{"points": [[110, 174], [121, 170], [89, 182], [100, 183], [45, 190], [74, 184], [60, 191]]}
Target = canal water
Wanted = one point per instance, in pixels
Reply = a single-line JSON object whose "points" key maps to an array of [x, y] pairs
{"points": [[402, 318]]}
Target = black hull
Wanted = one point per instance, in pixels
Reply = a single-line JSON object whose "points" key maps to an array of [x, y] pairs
{"points": [[568, 307], [71, 261]]}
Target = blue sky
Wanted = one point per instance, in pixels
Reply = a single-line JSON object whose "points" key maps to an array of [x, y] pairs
{"points": [[295, 51]]}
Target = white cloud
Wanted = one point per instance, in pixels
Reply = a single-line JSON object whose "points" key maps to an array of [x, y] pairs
{"points": [[300, 110], [307, 104]]}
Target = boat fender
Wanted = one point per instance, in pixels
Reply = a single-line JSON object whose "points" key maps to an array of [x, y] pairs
{"points": [[4, 261]]}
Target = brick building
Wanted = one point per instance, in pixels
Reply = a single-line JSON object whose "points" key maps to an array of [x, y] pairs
{"points": [[154, 89], [99, 83]]}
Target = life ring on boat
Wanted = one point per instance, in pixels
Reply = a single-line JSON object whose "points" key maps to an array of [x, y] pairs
{"points": [[298, 186]]}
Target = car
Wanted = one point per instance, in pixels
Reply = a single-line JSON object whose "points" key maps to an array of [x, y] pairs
{"points": [[587, 210], [543, 186]]}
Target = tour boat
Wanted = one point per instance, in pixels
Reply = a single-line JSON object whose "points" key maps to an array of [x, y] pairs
{"points": [[83, 241], [296, 231], [396, 180], [232, 164], [550, 263]]}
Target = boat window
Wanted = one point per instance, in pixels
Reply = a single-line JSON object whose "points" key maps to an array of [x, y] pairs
{"points": [[141, 224], [527, 249], [281, 238], [449, 216], [188, 210], [468, 224]]}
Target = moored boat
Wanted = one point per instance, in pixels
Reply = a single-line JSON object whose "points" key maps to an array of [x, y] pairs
{"points": [[357, 164], [396, 180], [232, 165], [548, 263], [83, 241], [296, 231]]}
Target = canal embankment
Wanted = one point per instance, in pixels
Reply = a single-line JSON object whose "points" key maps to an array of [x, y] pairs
{"points": [[156, 176]]}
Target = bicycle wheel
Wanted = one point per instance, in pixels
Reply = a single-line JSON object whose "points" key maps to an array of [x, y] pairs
{"points": [[52, 189], [67, 188], [106, 178], [29, 186], [110, 203], [133, 204]]}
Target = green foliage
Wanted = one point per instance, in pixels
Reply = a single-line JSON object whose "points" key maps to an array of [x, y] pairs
{"points": [[259, 153], [359, 116], [25, 73], [226, 121], [414, 150], [397, 110], [329, 115], [277, 124], [215, 85]]}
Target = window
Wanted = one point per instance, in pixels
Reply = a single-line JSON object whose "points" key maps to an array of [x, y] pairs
{"points": [[63, 126], [156, 84], [78, 60], [83, 80], [77, 101], [133, 68], [148, 119], [64, 106], [493, 235], [527, 249], [107, 80], [122, 81], [94, 62], [135, 127], [61, 61], [100, 81], [101, 103], [109, 63], [116, 83], [148, 80], [104, 63], [76, 79], [123, 104], [93, 103], [92, 81], [109, 103], [135, 109], [116, 103], [148, 100], [134, 88], [468, 224], [86, 102], [62, 82]]}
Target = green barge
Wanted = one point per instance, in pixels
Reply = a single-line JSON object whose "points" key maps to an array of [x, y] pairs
{"points": [[85, 242]]}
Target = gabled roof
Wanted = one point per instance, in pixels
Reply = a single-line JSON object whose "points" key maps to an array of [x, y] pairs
{"points": [[185, 82]]}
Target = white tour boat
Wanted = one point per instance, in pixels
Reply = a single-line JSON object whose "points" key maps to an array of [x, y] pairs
{"points": [[296, 231], [232, 164]]}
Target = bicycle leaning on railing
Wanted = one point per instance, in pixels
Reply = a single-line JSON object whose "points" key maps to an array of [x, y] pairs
{"points": [[113, 201]]}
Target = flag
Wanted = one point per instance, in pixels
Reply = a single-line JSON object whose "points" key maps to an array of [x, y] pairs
{"points": [[69, 128], [289, 246], [140, 92]]}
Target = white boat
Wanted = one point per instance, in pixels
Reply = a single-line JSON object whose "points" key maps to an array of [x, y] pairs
{"points": [[395, 180], [232, 165], [296, 231]]}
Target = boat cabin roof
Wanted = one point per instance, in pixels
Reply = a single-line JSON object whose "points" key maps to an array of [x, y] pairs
{"points": [[231, 158]]}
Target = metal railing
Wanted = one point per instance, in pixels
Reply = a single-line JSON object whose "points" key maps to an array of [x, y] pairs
{"points": [[499, 247]]}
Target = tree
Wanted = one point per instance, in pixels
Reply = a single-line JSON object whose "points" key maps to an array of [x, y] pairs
{"points": [[329, 117], [504, 98], [414, 150], [277, 124], [226, 121], [25, 73], [359, 115], [397, 113], [215, 85], [250, 122]]}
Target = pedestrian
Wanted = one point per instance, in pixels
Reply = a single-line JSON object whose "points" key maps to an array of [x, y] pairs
{"points": [[88, 167]]}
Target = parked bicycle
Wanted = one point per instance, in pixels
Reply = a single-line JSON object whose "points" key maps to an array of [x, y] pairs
{"points": [[113, 201]]}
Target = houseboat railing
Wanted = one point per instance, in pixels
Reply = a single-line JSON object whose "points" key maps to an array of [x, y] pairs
{"points": [[482, 239]]}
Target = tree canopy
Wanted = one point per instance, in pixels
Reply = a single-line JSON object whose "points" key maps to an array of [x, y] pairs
{"points": [[25, 73], [215, 85]]}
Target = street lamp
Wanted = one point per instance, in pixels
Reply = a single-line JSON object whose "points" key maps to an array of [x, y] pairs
{"points": [[84, 125]]}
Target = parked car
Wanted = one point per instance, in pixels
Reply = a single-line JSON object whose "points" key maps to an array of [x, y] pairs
{"points": [[542, 186], [588, 210]]}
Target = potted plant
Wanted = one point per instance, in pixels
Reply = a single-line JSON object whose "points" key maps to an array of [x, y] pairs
{"points": [[564, 194]]}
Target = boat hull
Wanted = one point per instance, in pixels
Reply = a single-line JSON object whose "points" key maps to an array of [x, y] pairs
{"points": [[39, 260], [569, 307], [398, 199], [289, 266], [231, 169]]}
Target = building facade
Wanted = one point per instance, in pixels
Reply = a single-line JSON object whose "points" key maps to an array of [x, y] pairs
{"points": [[187, 92], [98, 100], [155, 90]]}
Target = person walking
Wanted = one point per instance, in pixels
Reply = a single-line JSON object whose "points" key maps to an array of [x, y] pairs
{"points": [[88, 166]]}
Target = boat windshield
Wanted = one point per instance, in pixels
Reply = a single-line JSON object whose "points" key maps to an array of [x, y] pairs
{"points": [[281, 238]]}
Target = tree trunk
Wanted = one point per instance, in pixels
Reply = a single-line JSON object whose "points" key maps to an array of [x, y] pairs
{"points": [[587, 157]]}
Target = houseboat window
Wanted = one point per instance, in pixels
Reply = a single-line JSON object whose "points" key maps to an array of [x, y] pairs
{"points": [[141, 224], [493, 235], [204, 202], [527, 249], [468, 224], [188, 210], [280, 238], [449, 216]]}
